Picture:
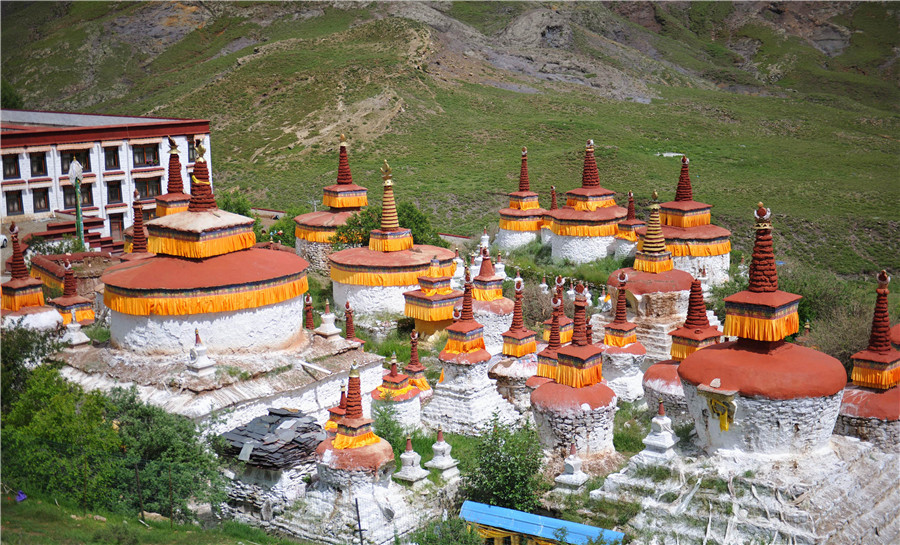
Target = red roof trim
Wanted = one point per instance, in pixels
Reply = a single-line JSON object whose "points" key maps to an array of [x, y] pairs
{"points": [[67, 135]]}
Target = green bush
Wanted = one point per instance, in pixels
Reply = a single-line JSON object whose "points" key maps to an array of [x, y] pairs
{"points": [[506, 467], [236, 203], [22, 347], [453, 531], [356, 230]]}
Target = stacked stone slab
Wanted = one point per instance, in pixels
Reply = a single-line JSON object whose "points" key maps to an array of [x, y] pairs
{"points": [[661, 380], [466, 398], [870, 408], [760, 394], [699, 247], [658, 292], [281, 439], [521, 223], [624, 356], [398, 392], [490, 308], [576, 406], [314, 231], [584, 229]]}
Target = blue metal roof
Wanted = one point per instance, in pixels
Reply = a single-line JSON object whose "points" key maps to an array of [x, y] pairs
{"points": [[533, 525]]}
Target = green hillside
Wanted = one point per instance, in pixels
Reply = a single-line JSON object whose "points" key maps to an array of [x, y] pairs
{"points": [[763, 113]]}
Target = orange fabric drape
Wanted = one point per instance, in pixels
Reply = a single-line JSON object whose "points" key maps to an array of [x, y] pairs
{"points": [[523, 225], [761, 329], [875, 378], [460, 347], [181, 306], [10, 301], [428, 314], [487, 295], [203, 248], [653, 266], [590, 206], [613, 340], [579, 378], [345, 201], [584, 230], [313, 236], [690, 220], [342, 442], [518, 350], [680, 249], [376, 278]]}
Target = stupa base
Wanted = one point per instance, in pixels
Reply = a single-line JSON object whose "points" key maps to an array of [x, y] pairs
{"points": [[871, 415], [622, 371], [508, 240], [494, 325], [408, 412], [546, 235], [625, 248], [42, 318], [582, 249], [771, 427], [512, 376], [466, 400], [271, 327], [371, 300], [315, 252], [584, 416], [716, 266], [661, 382]]}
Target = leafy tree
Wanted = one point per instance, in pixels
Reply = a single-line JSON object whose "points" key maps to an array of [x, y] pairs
{"points": [[356, 230], [386, 426], [159, 442], [282, 231], [23, 348], [453, 531], [505, 469], [236, 203], [9, 97]]}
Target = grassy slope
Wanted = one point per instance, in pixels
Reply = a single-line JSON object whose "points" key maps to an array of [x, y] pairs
{"points": [[824, 163]]}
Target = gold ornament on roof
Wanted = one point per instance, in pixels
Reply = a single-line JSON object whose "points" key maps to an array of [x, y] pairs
{"points": [[196, 180], [201, 151], [386, 173], [173, 146], [343, 140]]}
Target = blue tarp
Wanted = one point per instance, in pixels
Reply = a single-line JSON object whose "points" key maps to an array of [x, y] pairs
{"points": [[533, 525]]}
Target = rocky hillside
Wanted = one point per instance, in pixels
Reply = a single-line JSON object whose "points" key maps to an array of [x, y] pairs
{"points": [[792, 103]]}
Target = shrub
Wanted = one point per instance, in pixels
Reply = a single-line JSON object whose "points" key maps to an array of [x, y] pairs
{"points": [[505, 469], [23, 348], [236, 203], [453, 531], [355, 232]]}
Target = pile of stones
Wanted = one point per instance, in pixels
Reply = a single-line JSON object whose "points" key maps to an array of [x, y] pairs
{"points": [[282, 439]]}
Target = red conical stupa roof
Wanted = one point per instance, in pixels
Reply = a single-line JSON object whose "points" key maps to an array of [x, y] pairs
{"points": [[523, 172], [139, 236], [19, 270], [344, 177], [201, 189], [174, 184], [684, 191]]}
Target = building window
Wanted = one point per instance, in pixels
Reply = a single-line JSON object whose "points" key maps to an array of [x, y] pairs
{"points": [[14, 203], [111, 158], [116, 226], [41, 199], [10, 166], [114, 192], [148, 187], [87, 196], [38, 164], [65, 160], [507, 540], [146, 156], [192, 150]]}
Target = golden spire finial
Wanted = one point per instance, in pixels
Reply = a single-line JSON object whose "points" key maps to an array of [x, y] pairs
{"points": [[196, 180], [386, 173], [201, 151], [173, 146], [655, 196], [343, 140]]}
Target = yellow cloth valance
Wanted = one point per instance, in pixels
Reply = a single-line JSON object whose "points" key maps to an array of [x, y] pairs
{"points": [[163, 209], [524, 205], [613, 340], [80, 315], [312, 236], [375, 278], [348, 201], [546, 370], [224, 302], [15, 301], [342, 442], [590, 206], [697, 249], [487, 295], [680, 351], [330, 425], [761, 329], [875, 378], [565, 336], [579, 378], [428, 314], [607, 230], [459, 347], [388, 392], [518, 350], [202, 248], [689, 220], [390, 244], [627, 234], [440, 291], [420, 383], [653, 266], [48, 279], [523, 225]]}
